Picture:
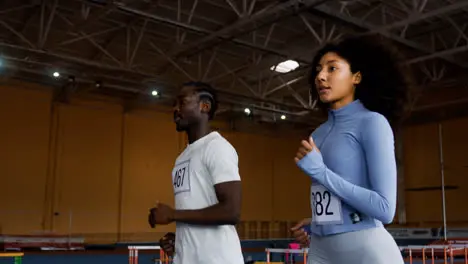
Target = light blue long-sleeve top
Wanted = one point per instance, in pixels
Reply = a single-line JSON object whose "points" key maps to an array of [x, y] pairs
{"points": [[354, 173]]}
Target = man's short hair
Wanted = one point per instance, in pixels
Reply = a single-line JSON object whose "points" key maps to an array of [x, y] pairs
{"points": [[205, 92]]}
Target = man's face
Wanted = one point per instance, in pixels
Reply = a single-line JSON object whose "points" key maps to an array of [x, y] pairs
{"points": [[187, 109]]}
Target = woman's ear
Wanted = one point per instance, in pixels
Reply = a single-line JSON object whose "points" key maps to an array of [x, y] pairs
{"points": [[357, 77]]}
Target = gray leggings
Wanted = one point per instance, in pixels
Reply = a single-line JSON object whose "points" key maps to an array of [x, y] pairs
{"points": [[370, 246]]}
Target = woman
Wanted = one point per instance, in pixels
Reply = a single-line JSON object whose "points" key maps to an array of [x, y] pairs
{"points": [[350, 158]]}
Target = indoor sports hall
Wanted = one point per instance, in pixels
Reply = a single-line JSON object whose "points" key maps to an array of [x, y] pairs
{"points": [[88, 141]]}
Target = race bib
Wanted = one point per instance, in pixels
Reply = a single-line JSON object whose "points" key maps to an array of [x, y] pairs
{"points": [[181, 177], [326, 207]]}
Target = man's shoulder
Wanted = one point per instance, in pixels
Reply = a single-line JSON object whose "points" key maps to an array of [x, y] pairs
{"points": [[218, 151], [218, 143]]}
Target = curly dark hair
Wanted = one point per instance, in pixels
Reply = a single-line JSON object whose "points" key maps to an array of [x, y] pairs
{"points": [[206, 92], [385, 84]]}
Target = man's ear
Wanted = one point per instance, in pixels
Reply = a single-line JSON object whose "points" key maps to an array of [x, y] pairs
{"points": [[357, 78], [205, 106]]}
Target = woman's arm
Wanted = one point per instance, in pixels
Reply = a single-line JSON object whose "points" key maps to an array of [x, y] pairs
{"points": [[378, 144]]}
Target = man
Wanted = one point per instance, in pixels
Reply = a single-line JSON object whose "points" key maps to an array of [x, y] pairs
{"points": [[206, 184]]}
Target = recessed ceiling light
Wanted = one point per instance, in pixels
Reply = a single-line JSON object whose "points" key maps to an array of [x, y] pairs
{"points": [[285, 66]]}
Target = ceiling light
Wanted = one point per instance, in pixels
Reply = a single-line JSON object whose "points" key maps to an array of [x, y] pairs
{"points": [[285, 66], [247, 111], [283, 117], [154, 93], [56, 74]]}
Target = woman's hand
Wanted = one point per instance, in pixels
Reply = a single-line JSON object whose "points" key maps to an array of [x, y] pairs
{"points": [[305, 148], [167, 243]]}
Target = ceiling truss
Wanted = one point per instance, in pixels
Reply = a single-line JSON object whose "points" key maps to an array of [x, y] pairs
{"points": [[132, 47]]}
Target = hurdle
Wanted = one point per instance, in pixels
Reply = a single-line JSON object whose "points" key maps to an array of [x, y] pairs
{"points": [[433, 253], [429, 254], [302, 252], [17, 256], [133, 254]]}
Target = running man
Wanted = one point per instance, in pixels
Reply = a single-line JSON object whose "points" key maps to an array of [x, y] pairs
{"points": [[207, 186]]}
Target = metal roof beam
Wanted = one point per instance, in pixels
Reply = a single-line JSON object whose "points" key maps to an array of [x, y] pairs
{"points": [[364, 25], [204, 31], [225, 33], [413, 18], [442, 53], [119, 70], [293, 7]]}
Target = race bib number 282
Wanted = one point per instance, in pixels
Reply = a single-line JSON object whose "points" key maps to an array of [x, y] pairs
{"points": [[326, 207], [181, 177]]}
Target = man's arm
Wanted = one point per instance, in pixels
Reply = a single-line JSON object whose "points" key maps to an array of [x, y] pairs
{"points": [[225, 212], [222, 163]]}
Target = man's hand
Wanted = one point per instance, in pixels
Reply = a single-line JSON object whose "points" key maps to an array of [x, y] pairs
{"points": [[305, 148], [167, 243], [161, 214], [300, 234], [225, 212]]}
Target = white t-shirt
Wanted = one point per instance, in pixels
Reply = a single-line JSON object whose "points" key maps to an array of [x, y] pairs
{"points": [[208, 161]]}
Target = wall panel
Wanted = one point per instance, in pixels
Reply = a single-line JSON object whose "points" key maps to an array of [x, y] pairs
{"points": [[291, 187], [256, 170], [421, 159], [109, 168], [423, 207], [422, 169], [455, 144], [421, 156], [88, 171], [24, 140], [151, 147], [456, 199]]}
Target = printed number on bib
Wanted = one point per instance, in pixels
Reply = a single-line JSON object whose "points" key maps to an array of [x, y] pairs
{"points": [[326, 207], [181, 177]]}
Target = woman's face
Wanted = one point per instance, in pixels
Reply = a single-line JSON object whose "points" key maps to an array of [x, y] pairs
{"points": [[334, 80]]}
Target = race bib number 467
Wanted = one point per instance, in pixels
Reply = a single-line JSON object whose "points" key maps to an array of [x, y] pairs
{"points": [[181, 177], [326, 207]]}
